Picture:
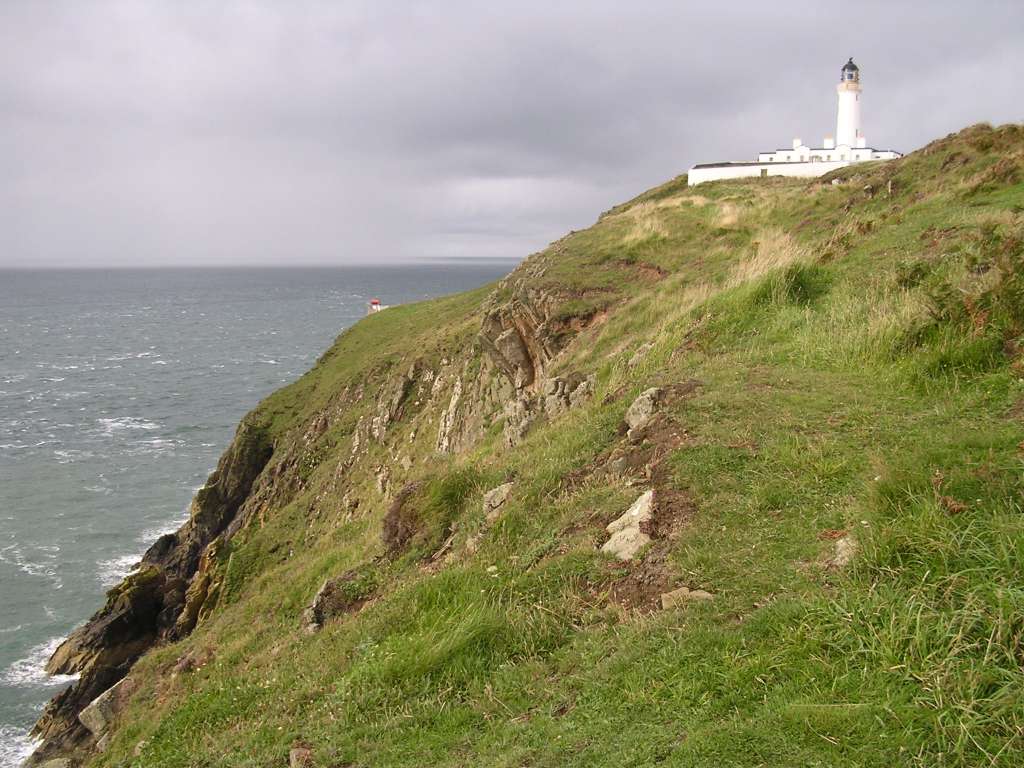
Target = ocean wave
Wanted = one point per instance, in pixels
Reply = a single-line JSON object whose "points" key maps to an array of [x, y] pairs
{"points": [[110, 572], [111, 427], [71, 454], [15, 745], [148, 536], [30, 672], [12, 555]]}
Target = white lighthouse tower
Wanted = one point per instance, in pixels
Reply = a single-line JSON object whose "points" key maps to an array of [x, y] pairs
{"points": [[848, 145], [848, 132]]}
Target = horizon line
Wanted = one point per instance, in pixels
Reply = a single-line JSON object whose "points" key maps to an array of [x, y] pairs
{"points": [[438, 261]]}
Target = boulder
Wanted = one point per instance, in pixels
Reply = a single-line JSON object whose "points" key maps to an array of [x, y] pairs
{"points": [[494, 500], [339, 595], [683, 595], [628, 536], [519, 417], [563, 393], [300, 757], [100, 713], [845, 551], [642, 410]]}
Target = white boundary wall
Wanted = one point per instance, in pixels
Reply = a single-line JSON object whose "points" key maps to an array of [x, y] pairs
{"points": [[803, 170]]}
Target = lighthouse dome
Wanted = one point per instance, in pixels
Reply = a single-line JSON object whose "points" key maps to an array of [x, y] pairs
{"points": [[850, 72]]}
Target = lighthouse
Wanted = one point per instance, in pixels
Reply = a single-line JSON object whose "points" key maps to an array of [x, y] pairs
{"points": [[846, 147], [848, 132]]}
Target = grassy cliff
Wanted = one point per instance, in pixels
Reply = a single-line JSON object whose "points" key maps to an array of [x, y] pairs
{"points": [[835, 452]]}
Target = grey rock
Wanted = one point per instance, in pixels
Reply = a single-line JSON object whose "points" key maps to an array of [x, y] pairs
{"points": [[642, 410], [100, 713], [494, 500], [300, 757], [845, 551], [519, 417], [583, 392], [628, 536], [449, 419], [337, 595], [684, 595], [60, 762]]}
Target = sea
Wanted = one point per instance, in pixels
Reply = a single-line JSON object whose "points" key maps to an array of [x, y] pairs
{"points": [[118, 392]]}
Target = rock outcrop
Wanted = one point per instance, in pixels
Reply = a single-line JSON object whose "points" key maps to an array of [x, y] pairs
{"points": [[339, 595], [517, 337], [100, 714], [628, 534], [682, 596], [641, 411], [145, 608], [494, 500]]}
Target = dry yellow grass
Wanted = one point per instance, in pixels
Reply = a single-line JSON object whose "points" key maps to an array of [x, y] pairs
{"points": [[645, 223], [728, 215], [775, 249]]}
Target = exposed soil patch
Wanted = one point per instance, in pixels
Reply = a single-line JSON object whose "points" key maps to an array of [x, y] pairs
{"points": [[638, 585], [400, 522], [646, 271]]}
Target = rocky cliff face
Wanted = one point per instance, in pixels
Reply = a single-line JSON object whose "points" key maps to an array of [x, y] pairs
{"points": [[498, 380], [158, 602]]}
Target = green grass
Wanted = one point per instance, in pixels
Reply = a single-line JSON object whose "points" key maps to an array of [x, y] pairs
{"points": [[860, 374]]}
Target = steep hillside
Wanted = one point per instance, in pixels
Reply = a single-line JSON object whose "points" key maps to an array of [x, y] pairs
{"points": [[808, 395]]}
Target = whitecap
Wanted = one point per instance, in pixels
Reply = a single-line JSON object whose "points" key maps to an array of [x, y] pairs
{"points": [[12, 555], [110, 572], [16, 745], [150, 535], [113, 426], [30, 672]]}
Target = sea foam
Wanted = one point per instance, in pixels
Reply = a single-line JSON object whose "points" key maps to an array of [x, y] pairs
{"points": [[15, 745], [30, 672]]}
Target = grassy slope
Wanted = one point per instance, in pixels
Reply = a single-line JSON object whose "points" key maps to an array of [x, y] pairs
{"points": [[858, 373]]}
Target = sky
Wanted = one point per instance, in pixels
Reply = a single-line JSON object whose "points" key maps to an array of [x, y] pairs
{"points": [[150, 132]]}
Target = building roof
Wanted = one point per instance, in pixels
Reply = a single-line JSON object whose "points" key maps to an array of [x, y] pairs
{"points": [[826, 149], [741, 163], [850, 66]]}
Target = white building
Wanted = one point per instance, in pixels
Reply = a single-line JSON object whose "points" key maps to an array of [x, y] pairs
{"points": [[848, 146]]}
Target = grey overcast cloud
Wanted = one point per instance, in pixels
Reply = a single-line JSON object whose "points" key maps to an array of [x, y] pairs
{"points": [[209, 133]]}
